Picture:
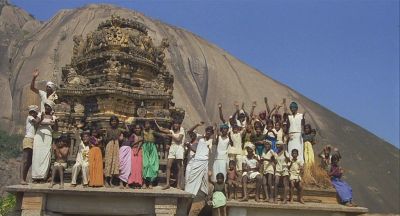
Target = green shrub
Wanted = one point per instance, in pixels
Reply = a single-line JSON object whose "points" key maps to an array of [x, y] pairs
{"points": [[7, 205], [10, 145]]}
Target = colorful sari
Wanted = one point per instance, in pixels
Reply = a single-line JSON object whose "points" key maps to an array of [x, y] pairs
{"points": [[150, 157]]}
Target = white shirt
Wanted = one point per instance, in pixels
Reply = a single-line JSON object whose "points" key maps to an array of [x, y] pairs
{"points": [[176, 135], [83, 154], [30, 127], [237, 142], [279, 134], [222, 148], [295, 123], [43, 98], [203, 149], [251, 163]]}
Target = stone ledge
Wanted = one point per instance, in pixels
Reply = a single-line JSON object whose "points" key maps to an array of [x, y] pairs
{"points": [[298, 206]]}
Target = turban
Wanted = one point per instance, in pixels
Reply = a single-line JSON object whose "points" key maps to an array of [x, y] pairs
{"points": [[33, 108], [51, 85], [249, 145], [294, 105], [50, 103], [241, 111]]}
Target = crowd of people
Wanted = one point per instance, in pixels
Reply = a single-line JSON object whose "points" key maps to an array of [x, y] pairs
{"points": [[270, 149]]}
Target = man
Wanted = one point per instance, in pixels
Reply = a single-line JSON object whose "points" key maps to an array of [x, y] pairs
{"points": [[82, 161], [176, 150], [197, 169], [49, 94], [296, 124]]}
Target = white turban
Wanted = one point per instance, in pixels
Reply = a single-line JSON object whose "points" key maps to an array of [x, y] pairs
{"points": [[33, 108], [50, 103], [51, 85]]}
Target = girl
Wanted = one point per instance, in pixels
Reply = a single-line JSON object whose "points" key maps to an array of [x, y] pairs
{"points": [[343, 190], [42, 142], [219, 196], [136, 179], [271, 135], [95, 162], [150, 156], [268, 159], [113, 136], [308, 139], [125, 160]]}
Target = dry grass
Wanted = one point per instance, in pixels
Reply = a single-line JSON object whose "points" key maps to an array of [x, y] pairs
{"points": [[315, 176]]}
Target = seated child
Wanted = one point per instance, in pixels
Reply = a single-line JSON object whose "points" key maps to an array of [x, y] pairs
{"points": [[268, 159], [295, 170], [250, 173], [281, 171], [326, 156], [219, 196], [61, 149], [343, 189], [232, 180]]}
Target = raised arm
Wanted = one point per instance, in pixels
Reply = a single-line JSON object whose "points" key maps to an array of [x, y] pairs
{"points": [[266, 105], [161, 129], [195, 126], [221, 115], [253, 107], [35, 75]]}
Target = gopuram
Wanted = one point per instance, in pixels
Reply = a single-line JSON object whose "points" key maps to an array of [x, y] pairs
{"points": [[117, 70]]}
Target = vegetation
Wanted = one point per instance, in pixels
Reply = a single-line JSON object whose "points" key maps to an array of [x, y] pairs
{"points": [[7, 205], [10, 145]]}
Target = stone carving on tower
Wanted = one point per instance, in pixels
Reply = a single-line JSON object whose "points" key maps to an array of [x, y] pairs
{"points": [[116, 70]]}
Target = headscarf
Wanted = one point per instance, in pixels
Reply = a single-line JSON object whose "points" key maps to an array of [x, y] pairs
{"points": [[224, 126], [51, 85], [50, 103], [33, 108], [293, 105]]}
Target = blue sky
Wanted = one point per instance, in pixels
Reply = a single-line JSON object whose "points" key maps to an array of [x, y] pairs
{"points": [[341, 54]]}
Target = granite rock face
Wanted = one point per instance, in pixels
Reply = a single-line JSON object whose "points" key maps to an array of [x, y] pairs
{"points": [[204, 76]]}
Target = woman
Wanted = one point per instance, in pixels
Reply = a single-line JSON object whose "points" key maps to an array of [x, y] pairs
{"points": [[136, 179], [150, 156], [95, 162]]}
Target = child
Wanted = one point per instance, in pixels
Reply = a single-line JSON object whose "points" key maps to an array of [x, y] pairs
{"points": [[308, 139], [250, 172], [278, 131], [111, 161], [295, 170], [61, 149], [281, 171], [219, 196], [27, 144], [125, 166], [271, 135], [82, 160], [235, 151], [268, 159], [326, 156], [343, 190], [95, 161], [150, 156], [258, 139], [232, 180], [136, 179]]}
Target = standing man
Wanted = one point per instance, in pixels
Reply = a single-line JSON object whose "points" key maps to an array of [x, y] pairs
{"points": [[49, 94], [176, 151], [296, 124]]}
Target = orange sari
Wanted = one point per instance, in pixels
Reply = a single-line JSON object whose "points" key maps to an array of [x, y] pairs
{"points": [[95, 167]]}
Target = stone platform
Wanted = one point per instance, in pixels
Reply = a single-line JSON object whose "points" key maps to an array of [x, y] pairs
{"points": [[252, 208], [38, 199]]}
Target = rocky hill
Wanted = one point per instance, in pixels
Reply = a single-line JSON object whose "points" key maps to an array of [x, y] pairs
{"points": [[204, 75]]}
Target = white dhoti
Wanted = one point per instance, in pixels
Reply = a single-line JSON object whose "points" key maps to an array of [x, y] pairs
{"points": [[76, 169], [219, 166], [197, 176], [296, 142], [41, 154]]}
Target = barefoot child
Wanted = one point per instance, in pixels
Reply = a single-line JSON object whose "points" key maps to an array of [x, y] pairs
{"points": [[268, 159], [250, 173], [61, 149], [219, 196], [111, 160], [232, 180], [343, 189], [136, 179], [281, 171], [27, 144], [150, 156], [295, 170], [95, 161], [125, 166]]}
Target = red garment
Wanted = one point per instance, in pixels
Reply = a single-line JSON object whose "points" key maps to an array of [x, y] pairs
{"points": [[136, 171]]}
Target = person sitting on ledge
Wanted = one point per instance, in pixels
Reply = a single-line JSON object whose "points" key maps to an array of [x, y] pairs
{"points": [[343, 189], [61, 149], [250, 172], [82, 161]]}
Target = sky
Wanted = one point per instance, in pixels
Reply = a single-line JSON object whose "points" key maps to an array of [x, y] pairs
{"points": [[342, 54]]}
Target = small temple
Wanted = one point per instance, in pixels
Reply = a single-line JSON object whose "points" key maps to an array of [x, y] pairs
{"points": [[118, 70]]}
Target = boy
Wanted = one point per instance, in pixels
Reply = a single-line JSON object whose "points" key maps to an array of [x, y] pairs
{"points": [[82, 161], [61, 149], [176, 150], [27, 144], [268, 159], [231, 180], [295, 170], [281, 171], [235, 151], [250, 172]]}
